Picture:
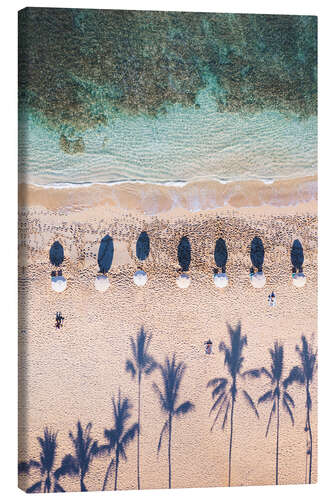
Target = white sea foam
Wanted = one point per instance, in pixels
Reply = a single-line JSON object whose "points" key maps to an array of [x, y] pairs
{"points": [[267, 181], [174, 184]]}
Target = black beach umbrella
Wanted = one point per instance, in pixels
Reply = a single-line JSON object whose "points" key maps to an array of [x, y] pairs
{"points": [[142, 246], [56, 254], [184, 253], [221, 254], [105, 254], [297, 255], [257, 253], [142, 251]]}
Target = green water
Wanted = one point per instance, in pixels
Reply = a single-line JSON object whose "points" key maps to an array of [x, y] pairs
{"points": [[108, 96]]}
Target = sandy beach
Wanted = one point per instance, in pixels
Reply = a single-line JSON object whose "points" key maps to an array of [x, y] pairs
{"points": [[72, 373], [157, 199]]}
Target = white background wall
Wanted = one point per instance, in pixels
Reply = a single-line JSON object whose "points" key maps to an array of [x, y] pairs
{"points": [[8, 240]]}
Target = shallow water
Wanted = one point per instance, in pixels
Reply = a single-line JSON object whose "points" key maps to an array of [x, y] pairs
{"points": [[182, 145]]}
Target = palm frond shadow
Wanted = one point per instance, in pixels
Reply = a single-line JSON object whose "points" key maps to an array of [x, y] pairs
{"points": [[276, 395], [119, 436], [168, 395], [141, 364], [85, 450], [303, 374], [225, 390], [49, 477]]}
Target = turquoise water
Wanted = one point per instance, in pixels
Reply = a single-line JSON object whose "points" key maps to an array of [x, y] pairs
{"points": [[165, 97], [184, 144]]}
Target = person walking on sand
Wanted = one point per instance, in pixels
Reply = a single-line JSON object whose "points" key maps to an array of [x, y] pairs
{"points": [[59, 320], [57, 323]]}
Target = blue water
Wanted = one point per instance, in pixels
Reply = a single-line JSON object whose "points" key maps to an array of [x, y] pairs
{"points": [[184, 144]]}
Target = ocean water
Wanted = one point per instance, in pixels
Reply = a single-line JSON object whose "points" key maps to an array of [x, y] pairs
{"points": [[182, 145], [137, 98]]}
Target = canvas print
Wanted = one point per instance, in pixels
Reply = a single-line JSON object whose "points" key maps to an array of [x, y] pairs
{"points": [[167, 250]]}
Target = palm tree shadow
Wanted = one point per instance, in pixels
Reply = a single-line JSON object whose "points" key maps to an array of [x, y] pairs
{"points": [[142, 363], [303, 374], [85, 450], [184, 253], [277, 396], [172, 374], [49, 478], [257, 253], [105, 254], [119, 436], [221, 254], [225, 390], [56, 254], [297, 256], [143, 246]]}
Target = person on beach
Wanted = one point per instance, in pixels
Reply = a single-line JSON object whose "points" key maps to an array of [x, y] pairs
{"points": [[57, 323], [59, 320], [272, 299], [208, 348]]}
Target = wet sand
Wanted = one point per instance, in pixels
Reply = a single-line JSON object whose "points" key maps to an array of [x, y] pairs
{"points": [[71, 374], [158, 199]]}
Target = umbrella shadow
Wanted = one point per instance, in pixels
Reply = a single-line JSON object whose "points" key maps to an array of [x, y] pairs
{"points": [[257, 253], [184, 253], [221, 254], [297, 256], [143, 246], [105, 254], [56, 254]]}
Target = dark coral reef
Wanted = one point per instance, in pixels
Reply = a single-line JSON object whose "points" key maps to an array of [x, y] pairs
{"points": [[78, 67]]}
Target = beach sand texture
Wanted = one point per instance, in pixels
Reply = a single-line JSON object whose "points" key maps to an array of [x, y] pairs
{"points": [[72, 373]]}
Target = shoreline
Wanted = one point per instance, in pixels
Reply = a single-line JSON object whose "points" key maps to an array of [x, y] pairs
{"points": [[156, 199]]}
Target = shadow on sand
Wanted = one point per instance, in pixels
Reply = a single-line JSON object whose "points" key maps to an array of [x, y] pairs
{"points": [[184, 253], [221, 254], [56, 254], [105, 254], [143, 246], [297, 256], [257, 253]]}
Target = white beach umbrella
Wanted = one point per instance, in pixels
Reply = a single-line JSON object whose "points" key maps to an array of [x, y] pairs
{"points": [[102, 283], [140, 278], [258, 280], [220, 280], [299, 279], [59, 283], [183, 281]]}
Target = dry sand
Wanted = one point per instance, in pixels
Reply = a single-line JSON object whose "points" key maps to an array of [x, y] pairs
{"points": [[71, 374]]}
